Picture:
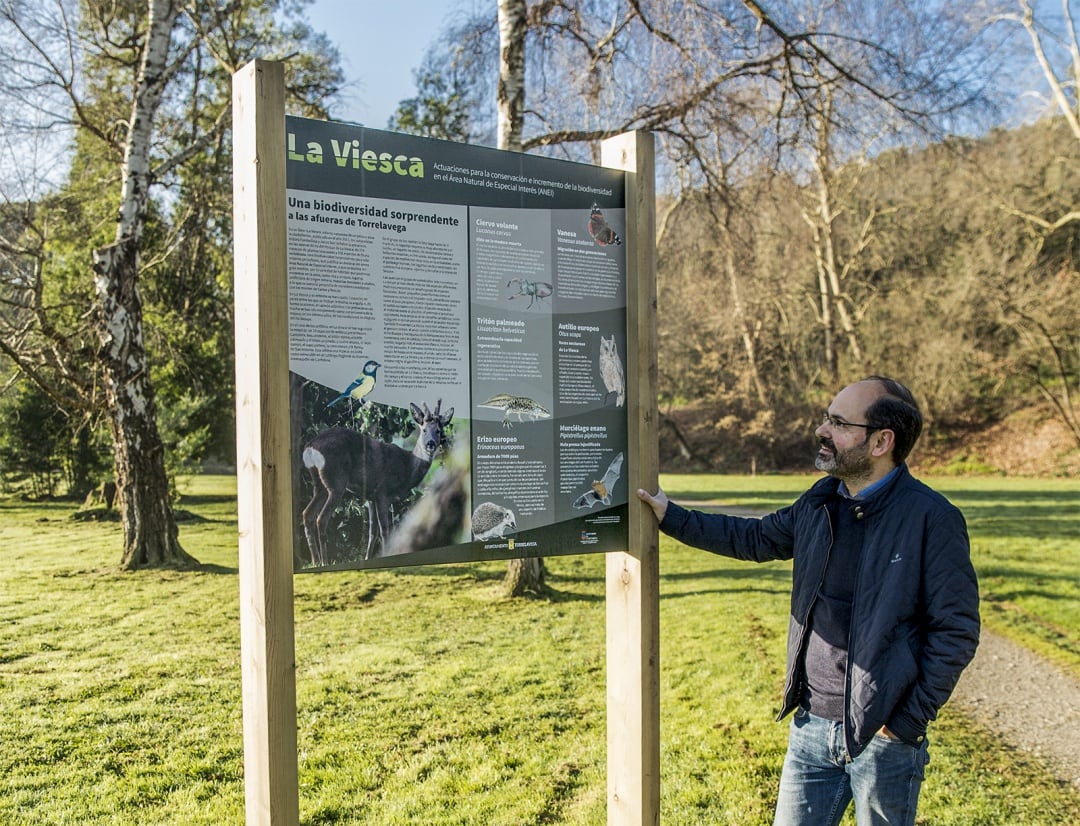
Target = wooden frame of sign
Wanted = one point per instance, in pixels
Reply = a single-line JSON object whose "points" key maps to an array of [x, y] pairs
{"points": [[264, 485], [263, 468], [633, 577]]}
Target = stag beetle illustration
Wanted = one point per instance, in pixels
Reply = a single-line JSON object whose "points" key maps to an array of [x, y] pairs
{"points": [[535, 290]]}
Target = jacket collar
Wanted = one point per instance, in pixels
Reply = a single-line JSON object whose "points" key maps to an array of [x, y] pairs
{"points": [[870, 490], [828, 486]]}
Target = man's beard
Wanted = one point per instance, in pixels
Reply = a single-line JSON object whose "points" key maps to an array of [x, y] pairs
{"points": [[851, 464]]}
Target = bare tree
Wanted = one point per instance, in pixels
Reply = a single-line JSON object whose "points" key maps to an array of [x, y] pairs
{"points": [[1064, 81], [150, 530], [118, 78], [811, 88], [827, 205], [736, 93], [1040, 308]]}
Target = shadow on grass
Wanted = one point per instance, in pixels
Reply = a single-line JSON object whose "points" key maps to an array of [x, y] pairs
{"points": [[1003, 503], [475, 571], [1024, 583], [998, 523], [1027, 513], [210, 568], [567, 586], [776, 582], [336, 600], [575, 576], [1005, 494], [751, 571], [666, 597], [555, 595], [196, 499]]}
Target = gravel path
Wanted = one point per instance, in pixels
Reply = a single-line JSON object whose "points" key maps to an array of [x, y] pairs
{"points": [[1033, 705]]}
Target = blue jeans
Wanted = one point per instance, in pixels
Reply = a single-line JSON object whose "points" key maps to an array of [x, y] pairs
{"points": [[818, 783]]}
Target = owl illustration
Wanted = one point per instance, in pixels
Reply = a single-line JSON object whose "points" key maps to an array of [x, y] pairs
{"points": [[490, 520], [601, 233], [611, 370]]}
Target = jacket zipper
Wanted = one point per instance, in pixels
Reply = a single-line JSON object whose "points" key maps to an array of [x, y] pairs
{"points": [[809, 608], [851, 640]]}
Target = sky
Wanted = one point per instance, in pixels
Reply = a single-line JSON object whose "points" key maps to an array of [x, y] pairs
{"points": [[381, 42]]}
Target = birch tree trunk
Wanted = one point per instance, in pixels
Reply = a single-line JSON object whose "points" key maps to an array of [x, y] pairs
{"points": [[743, 321], [522, 575], [513, 25], [149, 524], [822, 221], [831, 268]]}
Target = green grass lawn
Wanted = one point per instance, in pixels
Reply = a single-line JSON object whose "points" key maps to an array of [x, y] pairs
{"points": [[424, 697], [1025, 542]]}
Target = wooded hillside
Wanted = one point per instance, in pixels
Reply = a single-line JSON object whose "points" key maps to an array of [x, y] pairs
{"points": [[952, 268]]}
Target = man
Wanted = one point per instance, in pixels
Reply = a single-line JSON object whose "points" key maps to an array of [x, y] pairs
{"points": [[884, 609]]}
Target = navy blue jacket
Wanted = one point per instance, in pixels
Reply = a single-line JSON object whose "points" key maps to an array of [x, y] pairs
{"points": [[915, 614]]}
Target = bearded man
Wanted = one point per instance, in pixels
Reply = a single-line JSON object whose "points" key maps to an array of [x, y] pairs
{"points": [[884, 610]]}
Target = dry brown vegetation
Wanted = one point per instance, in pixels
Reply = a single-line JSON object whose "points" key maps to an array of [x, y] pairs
{"points": [[1029, 442], [954, 276]]}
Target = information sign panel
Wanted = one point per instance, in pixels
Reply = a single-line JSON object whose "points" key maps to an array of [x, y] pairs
{"points": [[457, 341]]}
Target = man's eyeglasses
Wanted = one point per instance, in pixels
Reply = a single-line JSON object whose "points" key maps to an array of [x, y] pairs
{"points": [[832, 421]]}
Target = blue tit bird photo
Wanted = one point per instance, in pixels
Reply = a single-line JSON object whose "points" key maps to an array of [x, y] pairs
{"points": [[360, 388]]}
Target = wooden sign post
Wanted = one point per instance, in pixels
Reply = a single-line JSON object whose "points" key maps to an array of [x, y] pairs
{"points": [[633, 578], [263, 461]]}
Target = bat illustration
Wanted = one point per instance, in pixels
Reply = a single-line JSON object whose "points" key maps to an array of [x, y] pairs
{"points": [[602, 488]]}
